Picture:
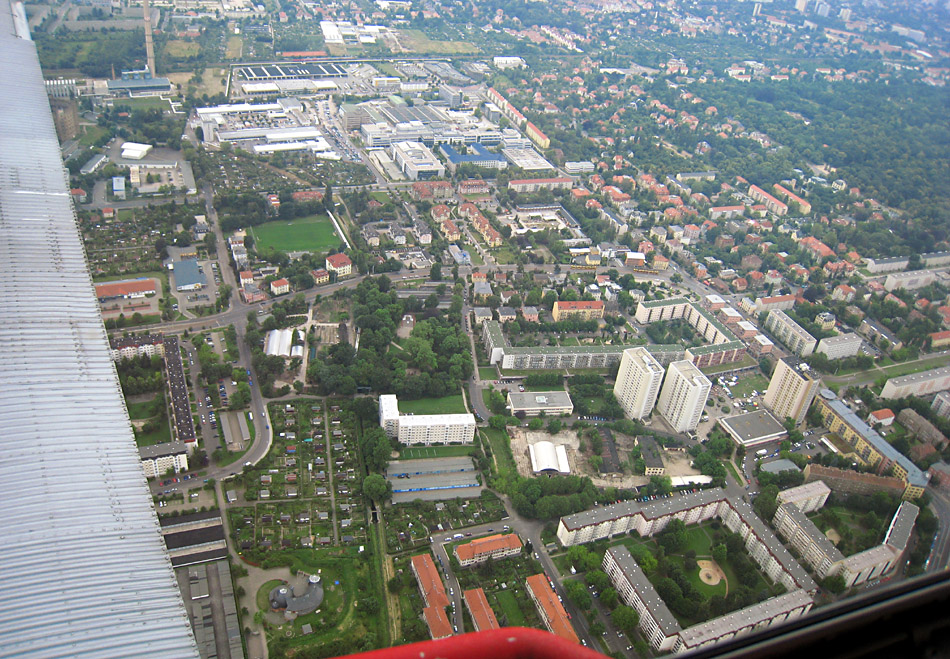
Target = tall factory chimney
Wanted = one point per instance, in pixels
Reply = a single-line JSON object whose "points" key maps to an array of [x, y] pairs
{"points": [[149, 48]]}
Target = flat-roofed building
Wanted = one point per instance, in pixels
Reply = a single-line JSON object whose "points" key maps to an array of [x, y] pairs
{"points": [[793, 335], [416, 161], [683, 396], [840, 346], [160, 459], [482, 615], [808, 497], [657, 624], [427, 429], [869, 447], [581, 309], [792, 389], [650, 452], [430, 583], [533, 403], [852, 482], [129, 347], [491, 547], [941, 404], [550, 608], [753, 428], [901, 526], [917, 384], [638, 382], [810, 543]]}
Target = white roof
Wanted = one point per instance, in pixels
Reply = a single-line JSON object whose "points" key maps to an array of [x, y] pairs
{"points": [[436, 420], [545, 456], [85, 571]]}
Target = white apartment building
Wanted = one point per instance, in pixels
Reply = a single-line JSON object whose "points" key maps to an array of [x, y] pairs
{"points": [[793, 335], [389, 414], [918, 384], [807, 498], [638, 382], [427, 429], [159, 458], [840, 346], [683, 396], [791, 390], [658, 625]]}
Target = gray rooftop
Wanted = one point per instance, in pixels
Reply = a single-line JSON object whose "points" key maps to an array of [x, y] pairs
{"points": [[645, 590], [898, 533], [78, 523], [163, 449], [813, 532], [187, 274], [650, 452], [539, 399], [924, 376], [778, 466], [914, 475], [732, 622], [753, 425]]}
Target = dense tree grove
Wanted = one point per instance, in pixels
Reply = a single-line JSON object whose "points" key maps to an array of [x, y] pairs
{"points": [[140, 375]]}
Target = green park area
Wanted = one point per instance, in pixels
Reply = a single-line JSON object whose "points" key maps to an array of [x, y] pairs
{"points": [[445, 405], [419, 452], [314, 233], [749, 383]]}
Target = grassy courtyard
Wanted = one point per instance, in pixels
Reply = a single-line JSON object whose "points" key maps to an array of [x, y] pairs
{"points": [[314, 233], [444, 405]]}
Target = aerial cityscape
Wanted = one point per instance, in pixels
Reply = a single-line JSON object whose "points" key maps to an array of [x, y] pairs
{"points": [[377, 322]]}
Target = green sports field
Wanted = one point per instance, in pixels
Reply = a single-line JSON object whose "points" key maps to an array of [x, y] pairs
{"points": [[304, 234]]}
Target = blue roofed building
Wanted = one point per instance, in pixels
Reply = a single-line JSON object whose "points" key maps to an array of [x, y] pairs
{"points": [[477, 155], [138, 83], [188, 276]]}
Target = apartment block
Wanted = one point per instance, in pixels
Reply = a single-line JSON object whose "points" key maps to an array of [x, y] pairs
{"points": [[793, 335], [918, 384], [807, 498], [424, 429], [580, 309], [840, 346], [657, 624], [791, 390], [638, 382], [810, 543], [550, 608], [492, 547], [683, 396]]}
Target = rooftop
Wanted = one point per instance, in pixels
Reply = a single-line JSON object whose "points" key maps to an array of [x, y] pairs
{"points": [[487, 545], [539, 399], [481, 611], [732, 622], [658, 609], [898, 533]]}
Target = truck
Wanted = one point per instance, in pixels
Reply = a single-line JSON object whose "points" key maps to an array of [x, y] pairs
{"points": [[762, 452]]}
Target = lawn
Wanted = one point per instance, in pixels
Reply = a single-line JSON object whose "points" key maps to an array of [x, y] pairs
{"points": [[92, 135], [501, 450], [487, 373], [160, 436], [181, 49], [141, 410], [748, 383], [434, 452], [509, 606], [145, 103], [698, 540], [745, 362], [305, 234], [444, 405], [731, 468], [417, 41], [235, 47]]}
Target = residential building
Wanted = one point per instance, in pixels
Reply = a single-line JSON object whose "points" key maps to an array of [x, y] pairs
{"points": [[550, 608], [126, 290], [885, 417], [918, 425], [793, 335], [482, 615], [917, 384], [424, 429], [840, 346], [808, 497], [650, 452], [683, 396], [852, 482], [774, 303], [430, 583], [536, 184], [638, 382], [657, 623], [869, 447], [770, 202], [791, 390], [160, 459], [580, 309], [910, 280], [279, 286], [550, 403], [129, 347], [438, 622], [811, 544], [340, 265], [941, 404], [492, 547], [320, 276]]}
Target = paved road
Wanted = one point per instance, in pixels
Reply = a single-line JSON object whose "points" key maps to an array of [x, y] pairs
{"points": [[939, 558]]}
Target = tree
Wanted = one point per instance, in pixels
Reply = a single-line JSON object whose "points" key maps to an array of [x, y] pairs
{"points": [[578, 594], [720, 553], [598, 579], [834, 584], [435, 272], [608, 597], [554, 426], [625, 619], [597, 628], [377, 488]]}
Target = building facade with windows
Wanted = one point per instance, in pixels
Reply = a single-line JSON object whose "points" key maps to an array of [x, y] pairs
{"points": [[792, 389], [683, 396], [638, 382]]}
